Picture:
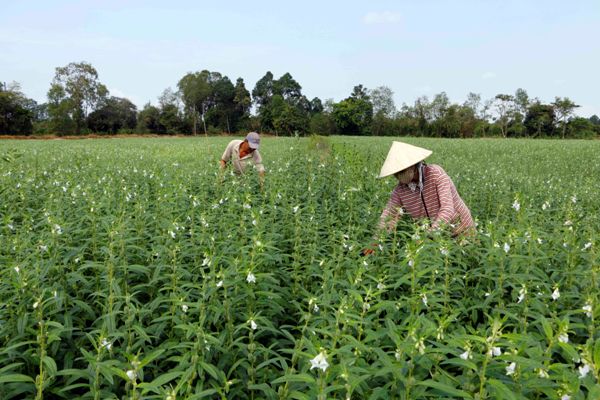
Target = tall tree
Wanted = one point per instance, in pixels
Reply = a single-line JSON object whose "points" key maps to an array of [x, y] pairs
{"points": [[242, 102], [539, 120], [197, 95], [149, 119], [382, 98], [15, 114], [353, 115], [287, 87], [114, 115], [75, 91], [564, 109], [316, 106], [504, 106], [521, 100]]}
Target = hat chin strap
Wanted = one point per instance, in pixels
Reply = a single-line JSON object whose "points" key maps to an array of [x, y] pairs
{"points": [[421, 170]]}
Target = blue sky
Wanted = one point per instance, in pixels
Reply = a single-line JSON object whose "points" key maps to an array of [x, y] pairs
{"points": [[139, 48]]}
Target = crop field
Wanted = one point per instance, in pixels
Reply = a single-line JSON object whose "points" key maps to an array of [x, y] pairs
{"points": [[130, 269]]}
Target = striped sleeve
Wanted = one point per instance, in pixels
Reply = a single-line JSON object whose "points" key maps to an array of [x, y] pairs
{"points": [[444, 192], [391, 213]]}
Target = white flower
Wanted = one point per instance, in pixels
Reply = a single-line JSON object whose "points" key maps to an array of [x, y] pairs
{"points": [[420, 346], [522, 294], [466, 355], [320, 361], [588, 310], [540, 241], [563, 338], [251, 278], [184, 307], [516, 205], [543, 374], [583, 371], [380, 286], [574, 199], [253, 325], [316, 308], [17, 269], [568, 222], [487, 294], [510, 370], [295, 209], [555, 294], [545, 205], [586, 246], [398, 355], [565, 397], [36, 304], [494, 352], [132, 375], [247, 206], [506, 247], [424, 298], [43, 247], [172, 234], [220, 283], [11, 227], [206, 262], [444, 251], [106, 344]]}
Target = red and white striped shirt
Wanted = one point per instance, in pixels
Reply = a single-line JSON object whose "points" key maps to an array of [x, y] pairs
{"points": [[444, 205]]}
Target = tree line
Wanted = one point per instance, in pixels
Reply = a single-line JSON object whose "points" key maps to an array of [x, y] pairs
{"points": [[208, 102]]}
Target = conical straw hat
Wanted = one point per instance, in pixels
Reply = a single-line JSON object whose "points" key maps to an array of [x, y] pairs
{"points": [[402, 156]]}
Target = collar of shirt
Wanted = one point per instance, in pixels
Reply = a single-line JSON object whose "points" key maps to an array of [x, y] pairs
{"points": [[237, 150]]}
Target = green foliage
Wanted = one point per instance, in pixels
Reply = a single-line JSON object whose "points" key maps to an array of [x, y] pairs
{"points": [[116, 114], [74, 92], [128, 270], [15, 119]]}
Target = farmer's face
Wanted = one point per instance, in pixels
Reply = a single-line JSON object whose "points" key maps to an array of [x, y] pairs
{"points": [[245, 148], [406, 176]]}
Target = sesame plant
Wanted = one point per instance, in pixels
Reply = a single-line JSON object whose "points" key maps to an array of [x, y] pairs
{"points": [[130, 269]]}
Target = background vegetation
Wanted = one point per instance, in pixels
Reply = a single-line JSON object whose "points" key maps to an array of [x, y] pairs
{"points": [[210, 103]]}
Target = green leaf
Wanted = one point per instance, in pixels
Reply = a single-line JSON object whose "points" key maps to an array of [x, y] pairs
{"points": [[50, 365], [304, 378], [500, 390], [161, 380], [10, 378], [547, 329], [442, 387]]}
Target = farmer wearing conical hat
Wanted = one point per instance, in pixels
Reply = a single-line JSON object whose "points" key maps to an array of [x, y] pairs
{"points": [[243, 152], [423, 191]]}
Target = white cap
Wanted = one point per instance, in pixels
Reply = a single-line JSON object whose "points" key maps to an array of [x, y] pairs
{"points": [[402, 156]]}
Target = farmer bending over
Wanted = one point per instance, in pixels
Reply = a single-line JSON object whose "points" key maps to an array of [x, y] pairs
{"points": [[423, 191], [241, 153]]}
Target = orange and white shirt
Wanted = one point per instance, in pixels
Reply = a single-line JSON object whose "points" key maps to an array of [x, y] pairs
{"points": [[443, 202], [232, 153]]}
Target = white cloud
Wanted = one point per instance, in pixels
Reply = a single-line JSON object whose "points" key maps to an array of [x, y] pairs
{"points": [[382, 17], [488, 75]]}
